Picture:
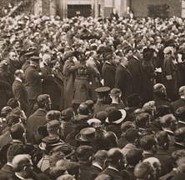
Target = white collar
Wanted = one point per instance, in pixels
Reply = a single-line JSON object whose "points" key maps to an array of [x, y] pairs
{"points": [[123, 65], [9, 164], [182, 97], [111, 167], [97, 165], [20, 177], [18, 79]]}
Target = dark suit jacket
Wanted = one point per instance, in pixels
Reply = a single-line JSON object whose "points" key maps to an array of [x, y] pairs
{"points": [[94, 172], [124, 81], [33, 82], [36, 120], [166, 161], [178, 103], [135, 69], [108, 74], [85, 168], [7, 171], [116, 175], [20, 93]]}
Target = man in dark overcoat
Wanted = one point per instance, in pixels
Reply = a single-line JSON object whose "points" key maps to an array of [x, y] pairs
{"points": [[124, 79], [33, 81], [19, 90], [108, 71]]}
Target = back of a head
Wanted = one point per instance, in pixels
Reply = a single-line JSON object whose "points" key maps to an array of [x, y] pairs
{"points": [[158, 89], [12, 119], [101, 115], [83, 109], [17, 131], [53, 115], [149, 107], [42, 100], [143, 171], [142, 119], [67, 114], [155, 164], [167, 119], [114, 155], [100, 155], [18, 71], [84, 152], [162, 139], [147, 142], [115, 92], [180, 134], [134, 156], [110, 140], [180, 113], [131, 135]]}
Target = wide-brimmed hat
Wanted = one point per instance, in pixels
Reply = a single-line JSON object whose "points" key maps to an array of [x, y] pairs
{"points": [[86, 135], [116, 116]]}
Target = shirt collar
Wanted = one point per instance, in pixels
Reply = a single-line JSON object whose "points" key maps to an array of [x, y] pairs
{"points": [[9, 164], [182, 97], [18, 79], [17, 175], [107, 62], [113, 168], [97, 165]]}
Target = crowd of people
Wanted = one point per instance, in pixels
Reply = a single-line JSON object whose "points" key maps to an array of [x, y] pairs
{"points": [[92, 99]]}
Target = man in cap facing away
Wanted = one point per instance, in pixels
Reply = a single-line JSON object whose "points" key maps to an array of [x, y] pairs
{"points": [[33, 81]]}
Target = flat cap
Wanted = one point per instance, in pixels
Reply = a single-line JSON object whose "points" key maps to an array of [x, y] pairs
{"points": [[104, 89]]}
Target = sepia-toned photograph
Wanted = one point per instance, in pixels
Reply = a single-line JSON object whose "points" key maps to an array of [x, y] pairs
{"points": [[92, 89]]}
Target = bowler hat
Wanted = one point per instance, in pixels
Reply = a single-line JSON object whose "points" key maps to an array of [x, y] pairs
{"points": [[86, 135]]}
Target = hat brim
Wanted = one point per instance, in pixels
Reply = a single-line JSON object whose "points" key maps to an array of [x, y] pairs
{"points": [[43, 145], [79, 138], [123, 112]]}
